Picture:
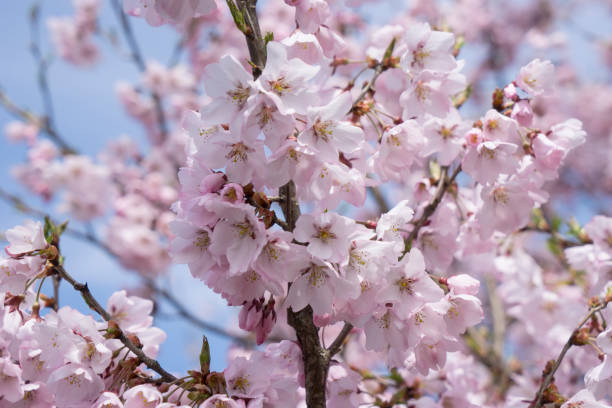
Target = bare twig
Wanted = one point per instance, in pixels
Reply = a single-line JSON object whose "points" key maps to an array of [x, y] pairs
{"points": [[380, 68], [138, 59], [187, 315], [537, 401], [20, 205], [336, 345], [443, 184], [95, 305], [42, 122]]}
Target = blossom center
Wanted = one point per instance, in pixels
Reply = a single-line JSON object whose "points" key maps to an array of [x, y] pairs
{"points": [[239, 152], [280, 86], [239, 95], [405, 285]]}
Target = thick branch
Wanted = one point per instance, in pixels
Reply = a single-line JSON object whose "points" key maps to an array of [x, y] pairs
{"points": [[315, 357], [95, 305]]}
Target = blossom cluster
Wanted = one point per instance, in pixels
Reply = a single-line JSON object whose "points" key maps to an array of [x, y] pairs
{"points": [[265, 185]]}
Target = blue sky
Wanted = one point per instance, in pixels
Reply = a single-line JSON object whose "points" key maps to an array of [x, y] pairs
{"points": [[89, 114]]}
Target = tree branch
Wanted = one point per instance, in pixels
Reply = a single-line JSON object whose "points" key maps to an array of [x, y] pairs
{"points": [[336, 345], [443, 184], [138, 59], [187, 315], [537, 402], [42, 123], [94, 305]]}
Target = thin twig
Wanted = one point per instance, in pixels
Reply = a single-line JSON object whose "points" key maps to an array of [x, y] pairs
{"points": [[443, 184], [537, 401], [185, 313], [95, 305], [42, 122], [336, 345], [20, 205], [370, 85], [138, 59]]}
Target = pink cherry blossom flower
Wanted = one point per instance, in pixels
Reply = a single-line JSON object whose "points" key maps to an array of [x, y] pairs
{"points": [[393, 223], [108, 400], [498, 127], [329, 184], [284, 80], [244, 379], [11, 387], [221, 400], [522, 113], [506, 207], [229, 86], [430, 92], [190, 245], [342, 387], [428, 49], [486, 161], [142, 396], [569, 134], [409, 286], [241, 156], [131, 313], [281, 260], [327, 134], [400, 147], [171, 11], [584, 399], [310, 14], [35, 395], [444, 137], [537, 77], [328, 235], [599, 230], [240, 237], [74, 384], [321, 286], [25, 238]]}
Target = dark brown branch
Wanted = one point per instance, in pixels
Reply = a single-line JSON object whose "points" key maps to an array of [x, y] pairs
{"points": [[254, 40], [443, 184], [95, 305], [138, 59], [315, 357], [336, 345]]}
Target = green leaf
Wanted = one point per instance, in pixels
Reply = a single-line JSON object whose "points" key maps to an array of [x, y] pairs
{"points": [[389, 50], [268, 37], [205, 356], [49, 229], [237, 16]]}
